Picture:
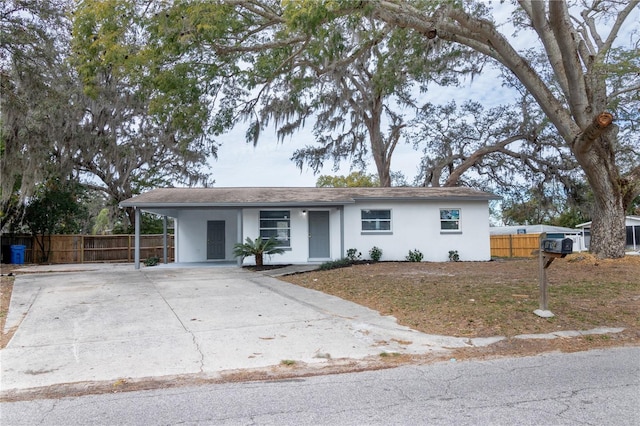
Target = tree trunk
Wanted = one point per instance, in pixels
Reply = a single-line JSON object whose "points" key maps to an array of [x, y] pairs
{"points": [[381, 157], [259, 259], [582, 85], [383, 165], [384, 174], [608, 236], [131, 215], [39, 239]]}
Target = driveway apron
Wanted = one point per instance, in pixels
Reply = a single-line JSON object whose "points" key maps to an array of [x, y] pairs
{"points": [[122, 324]]}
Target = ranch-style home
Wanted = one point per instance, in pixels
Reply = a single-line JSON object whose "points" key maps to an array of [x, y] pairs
{"points": [[315, 225]]}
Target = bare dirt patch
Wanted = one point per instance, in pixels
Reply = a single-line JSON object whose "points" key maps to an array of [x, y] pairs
{"points": [[6, 287]]}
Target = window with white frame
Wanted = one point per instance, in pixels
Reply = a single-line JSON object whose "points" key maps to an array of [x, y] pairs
{"points": [[376, 220], [276, 224], [449, 219]]}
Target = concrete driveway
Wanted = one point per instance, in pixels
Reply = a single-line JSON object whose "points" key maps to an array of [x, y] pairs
{"points": [[112, 323]]}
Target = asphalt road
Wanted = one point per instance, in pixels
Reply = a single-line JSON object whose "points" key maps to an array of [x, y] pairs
{"points": [[587, 388]]}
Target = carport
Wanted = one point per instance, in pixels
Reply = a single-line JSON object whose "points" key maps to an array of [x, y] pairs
{"points": [[166, 214]]}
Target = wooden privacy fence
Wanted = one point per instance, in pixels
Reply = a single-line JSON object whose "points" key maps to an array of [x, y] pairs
{"points": [[120, 248], [89, 248], [519, 245]]}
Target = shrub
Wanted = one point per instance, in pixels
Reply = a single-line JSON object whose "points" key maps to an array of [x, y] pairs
{"points": [[151, 261], [353, 255], [375, 253], [415, 256], [453, 256], [335, 264]]}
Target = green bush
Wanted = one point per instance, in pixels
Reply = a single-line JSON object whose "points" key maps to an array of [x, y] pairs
{"points": [[353, 255], [453, 256], [151, 261], [335, 264], [375, 253], [257, 248], [415, 256]]}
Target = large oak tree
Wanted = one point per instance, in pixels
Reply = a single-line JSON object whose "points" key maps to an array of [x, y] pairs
{"points": [[105, 128], [594, 81]]}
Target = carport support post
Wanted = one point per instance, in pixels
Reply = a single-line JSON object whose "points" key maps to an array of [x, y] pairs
{"points": [[136, 249], [164, 239]]}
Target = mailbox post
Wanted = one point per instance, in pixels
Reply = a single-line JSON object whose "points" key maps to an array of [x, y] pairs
{"points": [[550, 249]]}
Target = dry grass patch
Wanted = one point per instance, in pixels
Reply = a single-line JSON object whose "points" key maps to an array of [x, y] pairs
{"points": [[480, 299]]}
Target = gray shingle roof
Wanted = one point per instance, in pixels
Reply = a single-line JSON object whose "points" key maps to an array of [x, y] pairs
{"points": [[262, 196]]}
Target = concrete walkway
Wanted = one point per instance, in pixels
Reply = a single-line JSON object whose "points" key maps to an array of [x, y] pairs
{"points": [[111, 322]]}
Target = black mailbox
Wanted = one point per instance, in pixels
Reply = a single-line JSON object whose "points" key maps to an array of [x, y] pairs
{"points": [[557, 245]]}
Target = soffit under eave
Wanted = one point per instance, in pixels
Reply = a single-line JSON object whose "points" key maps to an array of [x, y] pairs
{"points": [[191, 206]]}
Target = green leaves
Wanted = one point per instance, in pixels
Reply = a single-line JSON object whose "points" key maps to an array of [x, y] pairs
{"points": [[307, 16], [56, 207], [354, 179], [258, 248]]}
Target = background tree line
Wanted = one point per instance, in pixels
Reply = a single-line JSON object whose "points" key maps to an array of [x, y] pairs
{"points": [[119, 96]]}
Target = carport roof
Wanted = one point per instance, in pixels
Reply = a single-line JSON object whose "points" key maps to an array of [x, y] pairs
{"points": [[295, 196]]}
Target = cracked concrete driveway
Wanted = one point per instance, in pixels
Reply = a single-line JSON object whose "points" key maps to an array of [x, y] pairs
{"points": [[119, 323]]}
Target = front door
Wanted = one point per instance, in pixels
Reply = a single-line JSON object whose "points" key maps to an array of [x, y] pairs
{"points": [[319, 235], [215, 239]]}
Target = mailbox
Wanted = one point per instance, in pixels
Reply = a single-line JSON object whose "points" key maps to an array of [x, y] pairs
{"points": [[557, 245]]}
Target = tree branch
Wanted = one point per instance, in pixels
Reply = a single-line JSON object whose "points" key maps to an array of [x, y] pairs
{"points": [[469, 162], [536, 11], [597, 127], [562, 29], [485, 33], [634, 88], [613, 34]]}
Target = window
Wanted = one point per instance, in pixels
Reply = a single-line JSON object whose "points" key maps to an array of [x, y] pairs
{"points": [[450, 219], [276, 223], [376, 220]]}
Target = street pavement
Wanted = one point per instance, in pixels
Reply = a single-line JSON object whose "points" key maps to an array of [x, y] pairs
{"points": [[597, 387], [95, 323]]}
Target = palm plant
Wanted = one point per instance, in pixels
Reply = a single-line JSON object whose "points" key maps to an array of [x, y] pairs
{"points": [[257, 248]]}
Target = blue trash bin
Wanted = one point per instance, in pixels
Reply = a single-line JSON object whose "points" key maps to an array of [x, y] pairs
{"points": [[17, 254]]}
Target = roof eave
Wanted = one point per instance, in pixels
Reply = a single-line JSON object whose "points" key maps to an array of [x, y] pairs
{"points": [[173, 205], [442, 198]]}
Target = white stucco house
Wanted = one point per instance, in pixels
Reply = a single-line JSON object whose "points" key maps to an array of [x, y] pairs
{"points": [[315, 225], [632, 227]]}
